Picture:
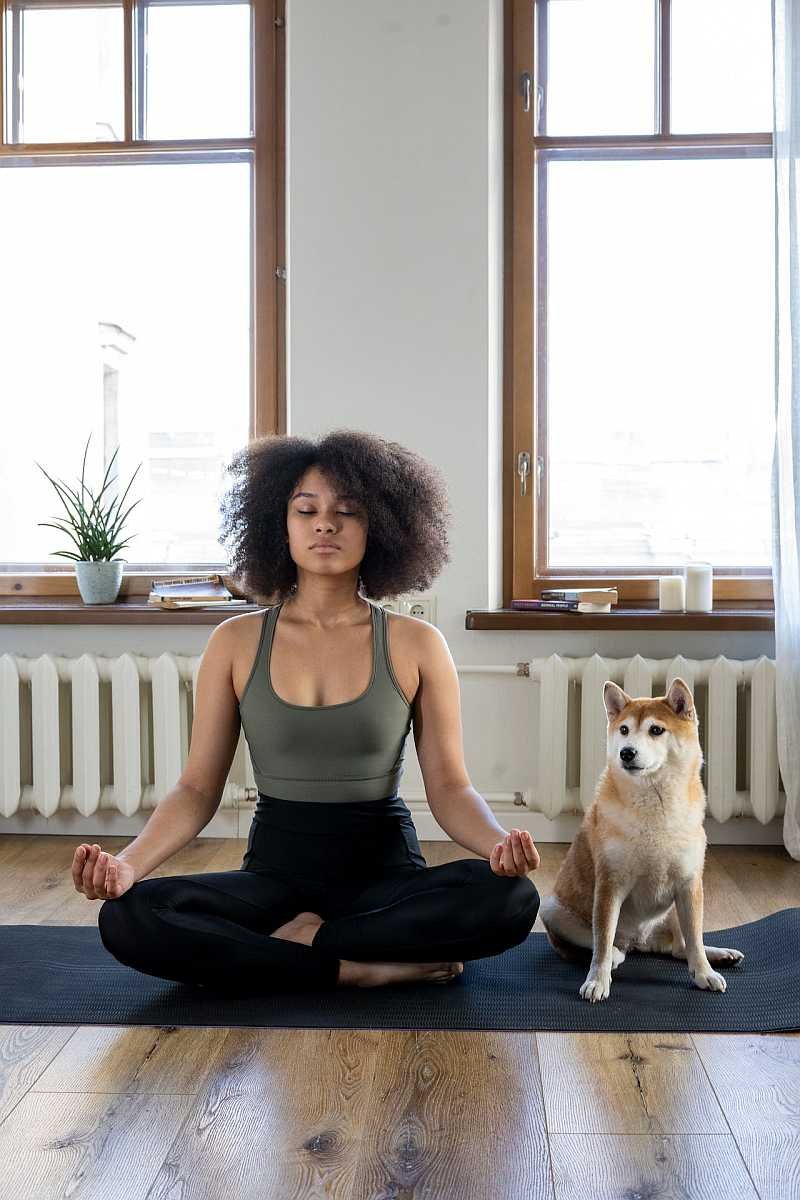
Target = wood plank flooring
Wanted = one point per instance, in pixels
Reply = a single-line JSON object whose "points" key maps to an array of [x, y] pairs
{"points": [[95, 1112]]}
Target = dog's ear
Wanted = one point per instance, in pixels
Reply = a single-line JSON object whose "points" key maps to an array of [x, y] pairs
{"points": [[614, 699], [680, 699]]}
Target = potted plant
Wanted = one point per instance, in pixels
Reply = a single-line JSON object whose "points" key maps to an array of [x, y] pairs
{"points": [[94, 531]]}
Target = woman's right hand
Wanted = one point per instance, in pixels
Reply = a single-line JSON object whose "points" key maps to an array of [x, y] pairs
{"points": [[99, 875]]}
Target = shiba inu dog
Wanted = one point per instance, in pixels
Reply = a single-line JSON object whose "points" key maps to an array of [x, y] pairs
{"points": [[633, 877]]}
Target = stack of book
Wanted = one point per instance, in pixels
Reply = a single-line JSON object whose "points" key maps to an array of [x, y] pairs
{"points": [[588, 600], [193, 591]]}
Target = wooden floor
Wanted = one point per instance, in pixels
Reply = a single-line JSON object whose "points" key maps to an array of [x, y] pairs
{"points": [[105, 1112]]}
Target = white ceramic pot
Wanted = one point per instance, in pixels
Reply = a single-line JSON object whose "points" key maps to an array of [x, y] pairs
{"points": [[99, 582]]}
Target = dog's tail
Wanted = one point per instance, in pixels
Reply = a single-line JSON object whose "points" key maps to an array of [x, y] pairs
{"points": [[568, 950]]}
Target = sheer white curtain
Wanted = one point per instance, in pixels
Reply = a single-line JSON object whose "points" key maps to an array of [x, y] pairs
{"points": [[786, 462]]}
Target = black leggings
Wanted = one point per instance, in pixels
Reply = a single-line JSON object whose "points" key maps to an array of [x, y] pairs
{"points": [[359, 866]]}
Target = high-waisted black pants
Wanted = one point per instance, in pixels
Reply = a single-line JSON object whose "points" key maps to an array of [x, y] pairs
{"points": [[358, 865]]}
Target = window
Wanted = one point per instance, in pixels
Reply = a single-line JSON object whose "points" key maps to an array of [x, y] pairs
{"points": [[639, 293], [141, 170]]}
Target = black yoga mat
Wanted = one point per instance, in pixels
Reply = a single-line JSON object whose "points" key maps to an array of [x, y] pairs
{"points": [[63, 975]]}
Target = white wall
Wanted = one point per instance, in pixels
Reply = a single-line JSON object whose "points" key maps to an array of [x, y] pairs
{"points": [[393, 284], [394, 177]]}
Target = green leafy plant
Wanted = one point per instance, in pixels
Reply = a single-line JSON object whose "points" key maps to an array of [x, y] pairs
{"points": [[94, 529]]}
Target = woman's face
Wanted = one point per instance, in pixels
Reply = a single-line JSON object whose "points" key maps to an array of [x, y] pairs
{"points": [[315, 513]]}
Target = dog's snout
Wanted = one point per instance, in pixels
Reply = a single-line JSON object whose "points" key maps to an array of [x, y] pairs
{"points": [[627, 754]]}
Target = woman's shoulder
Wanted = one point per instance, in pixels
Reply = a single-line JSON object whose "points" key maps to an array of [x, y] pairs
{"points": [[240, 633], [414, 639], [413, 627], [240, 622]]}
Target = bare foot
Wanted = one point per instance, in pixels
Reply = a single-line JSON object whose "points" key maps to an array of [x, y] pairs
{"points": [[374, 974], [300, 929], [304, 926]]}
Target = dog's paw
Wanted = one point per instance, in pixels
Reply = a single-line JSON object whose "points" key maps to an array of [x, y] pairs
{"points": [[722, 954], [708, 979], [596, 987]]}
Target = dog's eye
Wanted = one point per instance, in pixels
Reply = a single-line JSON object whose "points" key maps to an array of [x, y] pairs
{"points": [[656, 730], [623, 730]]}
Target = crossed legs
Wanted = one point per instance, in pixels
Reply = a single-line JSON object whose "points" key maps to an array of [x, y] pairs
{"points": [[218, 928]]}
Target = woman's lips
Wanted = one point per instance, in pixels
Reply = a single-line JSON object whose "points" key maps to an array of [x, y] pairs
{"points": [[326, 549]]}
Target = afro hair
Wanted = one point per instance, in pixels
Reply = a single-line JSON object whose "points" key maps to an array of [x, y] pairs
{"points": [[405, 498]]}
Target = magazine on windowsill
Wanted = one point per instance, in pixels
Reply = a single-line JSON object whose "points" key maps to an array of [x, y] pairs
{"points": [[193, 591]]}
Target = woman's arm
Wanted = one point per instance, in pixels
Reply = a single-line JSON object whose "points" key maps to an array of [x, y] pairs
{"points": [[460, 810], [189, 806]]}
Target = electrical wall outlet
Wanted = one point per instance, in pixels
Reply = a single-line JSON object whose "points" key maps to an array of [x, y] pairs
{"points": [[422, 607], [391, 605]]}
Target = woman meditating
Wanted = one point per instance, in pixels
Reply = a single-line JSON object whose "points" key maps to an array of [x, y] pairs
{"points": [[333, 888]]}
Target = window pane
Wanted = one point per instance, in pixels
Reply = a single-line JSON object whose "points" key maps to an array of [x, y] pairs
{"points": [[721, 66], [124, 313], [600, 66], [198, 70], [659, 332], [70, 74]]}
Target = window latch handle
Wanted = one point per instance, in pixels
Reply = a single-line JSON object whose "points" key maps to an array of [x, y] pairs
{"points": [[525, 90], [523, 468]]}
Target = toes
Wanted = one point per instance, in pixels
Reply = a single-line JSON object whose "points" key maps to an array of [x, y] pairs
{"points": [[446, 974]]}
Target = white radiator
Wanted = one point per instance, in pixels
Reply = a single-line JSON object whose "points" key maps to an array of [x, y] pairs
{"points": [[93, 733], [66, 745], [735, 703]]}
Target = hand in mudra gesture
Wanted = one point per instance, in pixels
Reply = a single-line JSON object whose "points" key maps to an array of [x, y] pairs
{"points": [[99, 875], [515, 855]]}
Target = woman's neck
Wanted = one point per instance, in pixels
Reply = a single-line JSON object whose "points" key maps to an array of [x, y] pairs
{"points": [[325, 611]]}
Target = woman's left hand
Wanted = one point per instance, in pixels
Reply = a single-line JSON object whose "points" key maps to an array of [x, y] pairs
{"points": [[515, 855]]}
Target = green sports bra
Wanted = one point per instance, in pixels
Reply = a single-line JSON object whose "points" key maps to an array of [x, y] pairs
{"points": [[338, 753]]}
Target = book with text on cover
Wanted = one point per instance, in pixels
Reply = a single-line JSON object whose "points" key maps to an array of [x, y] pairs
{"points": [[578, 606]]}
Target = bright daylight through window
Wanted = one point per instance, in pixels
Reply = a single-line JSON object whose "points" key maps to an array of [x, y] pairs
{"points": [[125, 306]]}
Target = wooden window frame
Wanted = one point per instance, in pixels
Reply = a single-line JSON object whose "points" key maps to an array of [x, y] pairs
{"points": [[267, 407], [524, 520]]}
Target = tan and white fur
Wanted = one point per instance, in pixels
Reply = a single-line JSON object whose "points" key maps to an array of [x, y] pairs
{"points": [[633, 877]]}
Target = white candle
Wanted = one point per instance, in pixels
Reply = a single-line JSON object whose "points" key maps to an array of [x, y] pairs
{"points": [[699, 587], [671, 592]]}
